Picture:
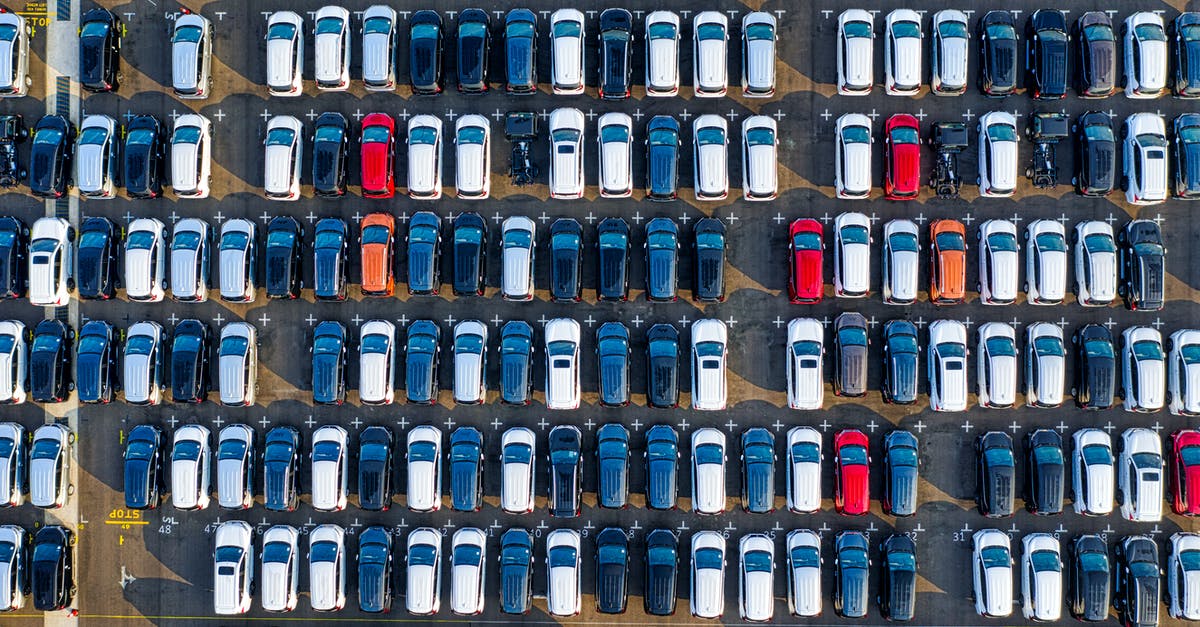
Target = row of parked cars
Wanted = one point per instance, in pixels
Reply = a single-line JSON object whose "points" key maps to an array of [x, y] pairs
{"points": [[1051, 63], [41, 564]]}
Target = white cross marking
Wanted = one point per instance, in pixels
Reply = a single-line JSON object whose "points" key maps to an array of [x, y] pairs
{"points": [[1109, 427], [172, 420], [732, 115], [825, 425], [685, 115], [1110, 323], [638, 115], [310, 319], [265, 217], [967, 426], [591, 218], [921, 115], [778, 425], [685, 218], [1158, 323], [1110, 219], [450, 319], [590, 321], [219, 318], [543, 424], [311, 217], [173, 318], [684, 321], [357, 422], [1157, 427], [590, 424], [872, 426], [264, 319], [968, 219], [264, 422], [543, 320], [637, 217], [921, 218], [220, 217], [637, 321], [496, 424], [220, 115], [310, 422], [779, 218], [683, 424], [403, 320], [174, 217], [449, 423], [451, 114], [779, 321], [403, 422], [1014, 426], [218, 421], [826, 115], [968, 115], [312, 114], [496, 320], [920, 426], [543, 217], [265, 115], [731, 218], [1062, 427], [636, 424], [826, 218]]}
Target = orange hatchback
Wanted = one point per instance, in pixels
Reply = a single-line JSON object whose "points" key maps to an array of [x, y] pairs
{"points": [[376, 239], [948, 264]]}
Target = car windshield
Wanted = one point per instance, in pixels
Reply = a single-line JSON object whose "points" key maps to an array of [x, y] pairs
{"points": [[373, 452], [1052, 242], [708, 454], [612, 554], [330, 345], [950, 241], [422, 555], [710, 241], [234, 346], [853, 455], [423, 135], [1098, 32], [422, 343], [468, 343], [567, 28], [276, 452], [328, 133], [804, 348], [1190, 455], [47, 136], [1147, 460], [853, 557], [1048, 455], [234, 240], [281, 137], [613, 240], [470, 135], [377, 25], [1093, 562], [1152, 140], [327, 239], [1052, 35], [190, 34], [422, 235], [276, 553], [906, 29], [92, 239], [90, 344], [232, 449], [93, 136], [1002, 132], [7, 550], [1146, 249], [1190, 354], [710, 135], [565, 136], [1099, 243], [1147, 349], [806, 557], [999, 457], [376, 234], [757, 562], [852, 336], [1188, 560], [8, 32], [326, 451], [709, 349], [615, 35], [1149, 32], [708, 559], [661, 240], [285, 31], [185, 240], [855, 234], [1002, 242], [518, 238], [467, 555], [760, 137], [329, 26], [562, 556], [1045, 561], [139, 345], [565, 241], [661, 30], [517, 454], [614, 133], [856, 135], [1098, 132], [45, 449], [710, 31], [1001, 32], [187, 450], [228, 554], [904, 135], [140, 240], [995, 557], [1001, 347], [758, 454], [1048, 346], [1098, 348], [184, 135], [376, 343], [903, 343], [46, 342], [377, 134], [1097, 454], [140, 137], [467, 235], [902, 561], [422, 452], [857, 29], [323, 552], [519, 29], [372, 553], [806, 241], [903, 456], [760, 32], [426, 31], [806, 452], [952, 349], [952, 29], [564, 455]]}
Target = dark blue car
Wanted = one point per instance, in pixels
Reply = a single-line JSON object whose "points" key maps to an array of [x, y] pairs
{"points": [[899, 362], [662, 158], [375, 570], [143, 462], [662, 567], [281, 261], [516, 363], [421, 362], [612, 570], [616, 54], [331, 148], [516, 571], [662, 467], [612, 349], [424, 258], [474, 46], [566, 260], [189, 361], [50, 362], [1187, 153], [14, 246], [329, 363], [425, 52], [520, 52], [662, 259], [96, 259], [466, 469], [375, 469], [566, 471], [662, 365], [1187, 55], [612, 456], [710, 261], [470, 254], [330, 243], [281, 469], [613, 245], [758, 471], [851, 574], [96, 362], [900, 473]]}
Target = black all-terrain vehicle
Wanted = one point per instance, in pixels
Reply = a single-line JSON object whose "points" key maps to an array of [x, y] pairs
{"points": [[12, 132], [520, 128], [1045, 130], [948, 139]]}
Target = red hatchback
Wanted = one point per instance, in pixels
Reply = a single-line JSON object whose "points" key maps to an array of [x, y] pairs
{"points": [[378, 150], [902, 158], [1185, 472], [806, 241], [852, 473]]}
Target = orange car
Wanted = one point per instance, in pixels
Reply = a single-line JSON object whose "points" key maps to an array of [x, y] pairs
{"points": [[376, 245], [948, 264]]}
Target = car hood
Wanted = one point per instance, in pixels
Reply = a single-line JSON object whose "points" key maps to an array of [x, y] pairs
{"points": [[1003, 380], [711, 179], [1104, 271], [904, 267], [762, 179], [89, 178], [566, 61], [43, 482], [859, 61], [1003, 174], [1152, 65], [564, 590]]}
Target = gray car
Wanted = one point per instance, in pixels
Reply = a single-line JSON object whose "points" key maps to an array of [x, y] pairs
{"points": [[850, 354]]}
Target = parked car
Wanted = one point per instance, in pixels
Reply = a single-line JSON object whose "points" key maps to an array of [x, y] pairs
{"points": [[1095, 253], [662, 466], [331, 154], [191, 56], [709, 284], [424, 243], [1047, 54], [612, 245], [900, 350], [662, 53], [235, 467], [379, 48], [1041, 577], [850, 354], [191, 156], [948, 262], [52, 569], [280, 566], [473, 156], [331, 243], [95, 364], [1143, 369], [376, 244], [612, 351], [51, 262], [190, 348], [376, 363], [375, 477], [1096, 147], [947, 366], [50, 355], [662, 259], [852, 156], [898, 586], [805, 368], [424, 459], [470, 362], [1183, 396], [902, 159], [804, 573], [191, 246], [1092, 472], [1186, 151], [144, 157], [15, 568], [466, 469], [616, 54], [237, 260], [143, 467], [422, 355], [1138, 579], [996, 368], [469, 249], [285, 54], [517, 459], [760, 158], [1046, 472], [516, 571], [281, 258], [14, 251], [806, 246], [423, 570], [756, 577], [1140, 476], [14, 361], [706, 589], [710, 338], [1146, 55], [329, 363], [1185, 471], [1144, 157], [900, 471], [997, 153], [612, 457], [708, 471], [566, 471], [237, 356], [662, 365], [282, 158], [146, 260], [710, 156], [1045, 365], [96, 259], [517, 258], [143, 363], [424, 157], [1181, 573], [663, 145], [51, 156], [758, 471], [662, 566], [331, 49], [710, 54], [758, 55], [566, 153], [468, 559], [15, 46], [992, 566], [996, 474], [851, 568], [1045, 262], [520, 52], [377, 153], [612, 571], [190, 460], [563, 572], [852, 254], [516, 363], [327, 568], [855, 52], [97, 166], [851, 472], [1095, 367], [1096, 65], [566, 260], [281, 469], [902, 53], [998, 55], [566, 47], [330, 468], [1090, 591], [614, 138], [948, 54], [425, 43], [1142, 268]]}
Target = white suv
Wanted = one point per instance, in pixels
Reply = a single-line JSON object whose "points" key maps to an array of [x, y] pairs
{"points": [[1140, 476], [1095, 263], [1144, 153], [710, 154], [1045, 262], [1143, 369], [233, 567], [330, 472], [615, 140], [1183, 379], [237, 255], [566, 153], [191, 156], [425, 157], [947, 366], [1041, 577], [327, 568], [377, 362], [991, 565], [332, 49], [518, 246], [998, 262], [708, 363], [280, 568], [285, 54], [760, 158], [710, 54], [282, 158], [146, 260], [470, 362], [190, 455], [855, 53], [424, 457], [473, 157], [1146, 52], [562, 338], [237, 363], [852, 156], [805, 358], [190, 244], [51, 262], [708, 471], [1092, 472], [852, 255], [997, 154], [997, 367], [902, 57], [96, 165]]}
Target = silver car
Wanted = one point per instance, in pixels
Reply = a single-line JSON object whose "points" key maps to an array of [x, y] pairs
{"points": [[12, 464], [146, 260], [710, 154], [190, 244], [379, 48], [901, 262], [235, 467], [96, 156], [50, 465], [1045, 365], [470, 362], [191, 56], [710, 54], [948, 55], [330, 468], [14, 47], [237, 256], [14, 356], [143, 364], [285, 54], [189, 468], [517, 245], [662, 53], [280, 568], [1095, 263], [1045, 262], [997, 367], [758, 55], [1143, 369], [237, 360]]}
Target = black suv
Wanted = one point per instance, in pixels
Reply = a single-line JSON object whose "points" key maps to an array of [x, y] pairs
{"points": [[1095, 154], [616, 54], [1136, 594], [331, 149], [96, 271], [1090, 579], [329, 363], [145, 156], [50, 362], [96, 362], [189, 361], [53, 578], [143, 464], [1095, 367], [469, 248], [100, 34], [1142, 265], [330, 245], [14, 248], [612, 282], [12, 132], [998, 54], [996, 473], [375, 468], [281, 469], [425, 52], [710, 261], [566, 470], [51, 157], [474, 47], [1047, 53], [520, 52], [1187, 66], [285, 237], [566, 260], [612, 571], [662, 366], [1046, 473], [898, 587]]}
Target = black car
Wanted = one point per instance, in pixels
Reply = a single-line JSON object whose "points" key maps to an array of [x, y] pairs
{"points": [[1095, 155], [998, 54], [710, 261], [995, 474], [662, 568], [53, 568], [613, 246], [516, 571], [1142, 266], [1047, 54], [96, 362], [662, 366], [51, 157], [1090, 579], [424, 253], [1187, 55], [474, 47], [612, 571], [758, 471], [329, 363], [899, 362], [12, 133], [898, 585], [14, 248], [331, 149], [850, 354], [616, 54], [100, 33], [1136, 594], [375, 569], [145, 156], [566, 260], [50, 362], [900, 473], [466, 469], [1046, 473], [285, 239], [662, 465], [143, 467], [470, 254], [330, 246], [662, 259], [851, 573], [1095, 367], [425, 52], [421, 362], [1186, 142], [662, 158], [1096, 65], [612, 463], [566, 471], [612, 353], [520, 52], [190, 348], [516, 363], [281, 469], [375, 469], [96, 259]]}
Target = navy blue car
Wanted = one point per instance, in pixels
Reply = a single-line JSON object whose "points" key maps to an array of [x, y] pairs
{"points": [[470, 254], [425, 52], [851, 574], [474, 46], [1187, 154], [424, 253], [612, 457], [281, 469], [662, 158], [189, 361], [1187, 65], [421, 361], [466, 469], [710, 261], [329, 363], [331, 149], [662, 366], [566, 471], [96, 362], [662, 467], [612, 570], [145, 157], [613, 246], [898, 586], [285, 239], [516, 363], [330, 245], [566, 260], [520, 52], [612, 350], [662, 568], [758, 471], [899, 362], [616, 54], [14, 246], [50, 362], [375, 570], [662, 259], [51, 156], [375, 469], [96, 259], [900, 473], [143, 463], [516, 571]]}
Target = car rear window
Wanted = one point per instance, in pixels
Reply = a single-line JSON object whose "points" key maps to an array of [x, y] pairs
{"points": [[853, 455], [1045, 561]]}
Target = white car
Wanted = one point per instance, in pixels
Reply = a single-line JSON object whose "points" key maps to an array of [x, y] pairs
{"points": [[50, 465], [233, 567], [804, 572], [1144, 155], [517, 242], [13, 451], [566, 153], [96, 159], [423, 566], [146, 260], [563, 572], [237, 363], [804, 470], [999, 262], [14, 361], [756, 577], [707, 581], [1183, 374], [615, 140], [852, 156], [327, 568], [235, 467], [282, 158], [379, 48], [855, 53], [852, 255], [331, 49], [190, 245], [1143, 369], [424, 459], [51, 262], [947, 365], [1140, 477], [377, 362], [473, 157], [758, 55], [191, 156], [902, 56], [566, 47], [997, 154], [470, 362], [901, 262], [1092, 472], [997, 365], [517, 448], [236, 260], [1095, 263], [190, 461], [330, 468], [14, 561], [191, 56], [710, 54], [143, 364], [468, 565], [991, 563], [425, 157], [805, 363], [949, 52], [14, 46], [1041, 577], [662, 53], [760, 158], [562, 338], [1045, 262], [1183, 576], [708, 471], [710, 337], [1045, 365], [710, 154], [1145, 55], [280, 568], [285, 54]]}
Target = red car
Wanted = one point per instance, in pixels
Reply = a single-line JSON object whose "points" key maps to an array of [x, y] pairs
{"points": [[852, 472], [1185, 472], [806, 241], [378, 151], [902, 158]]}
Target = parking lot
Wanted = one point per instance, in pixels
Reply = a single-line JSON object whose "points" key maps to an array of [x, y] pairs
{"points": [[156, 566]]}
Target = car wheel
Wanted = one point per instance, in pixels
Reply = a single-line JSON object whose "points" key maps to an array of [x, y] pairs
{"points": [[70, 334], [71, 437], [70, 233]]}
